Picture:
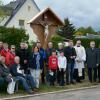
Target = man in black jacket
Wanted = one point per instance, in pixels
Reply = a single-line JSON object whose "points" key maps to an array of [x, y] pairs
{"points": [[92, 62], [70, 54], [23, 53]]}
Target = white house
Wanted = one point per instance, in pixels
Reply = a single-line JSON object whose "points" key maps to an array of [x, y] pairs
{"points": [[23, 11]]}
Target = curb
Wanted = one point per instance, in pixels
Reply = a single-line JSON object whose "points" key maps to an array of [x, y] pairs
{"points": [[60, 91]]}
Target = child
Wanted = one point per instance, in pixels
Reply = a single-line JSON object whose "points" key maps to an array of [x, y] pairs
{"points": [[62, 64], [53, 63]]}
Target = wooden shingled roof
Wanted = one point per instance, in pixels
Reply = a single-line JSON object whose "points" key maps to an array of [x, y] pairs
{"points": [[48, 12]]}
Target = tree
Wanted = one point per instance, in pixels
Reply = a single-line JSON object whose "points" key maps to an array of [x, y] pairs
{"points": [[90, 30], [13, 35], [84, 31], [67, 31], [1, 11]]}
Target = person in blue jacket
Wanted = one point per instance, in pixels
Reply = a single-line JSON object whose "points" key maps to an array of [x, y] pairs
{"points": [[42, 51]]}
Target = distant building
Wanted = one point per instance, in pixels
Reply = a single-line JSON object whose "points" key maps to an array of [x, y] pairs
{"points": [[22, 12], [88, 36]]}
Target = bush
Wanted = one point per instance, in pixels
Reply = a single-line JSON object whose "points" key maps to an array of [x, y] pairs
{"points": [[13, 35], [86, 42], [56, 39]]}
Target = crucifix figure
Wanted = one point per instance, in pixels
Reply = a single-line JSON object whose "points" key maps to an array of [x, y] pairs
{"points": [[44, 25]]}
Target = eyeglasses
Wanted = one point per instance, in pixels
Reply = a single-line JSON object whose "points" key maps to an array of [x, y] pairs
{"points": [[12, 48]]}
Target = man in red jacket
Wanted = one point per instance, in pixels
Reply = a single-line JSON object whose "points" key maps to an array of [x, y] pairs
{"points": [[4, 50], [10, 56], [53, 64]]}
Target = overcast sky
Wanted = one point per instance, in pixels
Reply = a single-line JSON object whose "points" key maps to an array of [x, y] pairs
{"points": [[80, 12]]}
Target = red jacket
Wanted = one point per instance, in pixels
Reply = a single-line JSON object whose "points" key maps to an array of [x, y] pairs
{"points": [[4, 52], [53, 62], [10, 59], [1, 50]]}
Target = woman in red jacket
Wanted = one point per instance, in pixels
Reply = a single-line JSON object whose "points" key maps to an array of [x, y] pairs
{"points": [[53, 65]]}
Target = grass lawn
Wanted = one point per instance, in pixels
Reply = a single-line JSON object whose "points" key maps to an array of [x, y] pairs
{"points": [[45, 88]]}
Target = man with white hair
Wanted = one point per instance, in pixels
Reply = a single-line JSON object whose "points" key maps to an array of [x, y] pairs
{"points": [[6, 75], [92, 62], [79, 61], [60, 48]]}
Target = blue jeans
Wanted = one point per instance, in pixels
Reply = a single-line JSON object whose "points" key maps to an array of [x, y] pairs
{"points": [[70, 72], [25, 82]]}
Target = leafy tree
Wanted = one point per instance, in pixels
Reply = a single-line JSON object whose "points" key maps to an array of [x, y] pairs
{"points": [[1, 11], [13, 35], [90, 30], [84, 31], [66, 31]]}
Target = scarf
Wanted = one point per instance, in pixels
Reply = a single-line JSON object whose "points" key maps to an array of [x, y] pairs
{"points": [[37, 60]]}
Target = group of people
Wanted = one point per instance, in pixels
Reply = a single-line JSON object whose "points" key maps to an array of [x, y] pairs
{"points": [[61, 66]]}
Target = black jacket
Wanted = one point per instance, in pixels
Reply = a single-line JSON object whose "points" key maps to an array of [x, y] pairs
{"points": [[4, 71], [24, 55], [32, 61], [98, 54], [91, 57], [14, 72], [68, 52]]}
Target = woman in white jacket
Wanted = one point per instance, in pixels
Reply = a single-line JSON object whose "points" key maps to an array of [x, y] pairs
{"points": [[62, 64]]}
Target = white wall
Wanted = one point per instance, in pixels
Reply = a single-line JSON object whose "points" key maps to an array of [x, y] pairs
{"points": [[24, 14]]}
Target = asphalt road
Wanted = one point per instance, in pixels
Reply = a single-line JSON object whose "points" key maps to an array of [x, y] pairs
{"points": [[89, 94]]}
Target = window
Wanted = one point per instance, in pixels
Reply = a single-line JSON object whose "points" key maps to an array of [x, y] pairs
{"points": [[21, 23], [29, 7]]}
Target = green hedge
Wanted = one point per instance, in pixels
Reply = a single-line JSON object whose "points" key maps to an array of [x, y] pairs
{"points": [[56, 39], [13, 36], [85, 42]]}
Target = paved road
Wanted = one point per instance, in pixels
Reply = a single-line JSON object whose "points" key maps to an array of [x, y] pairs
{"points": [[89, 94]]}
